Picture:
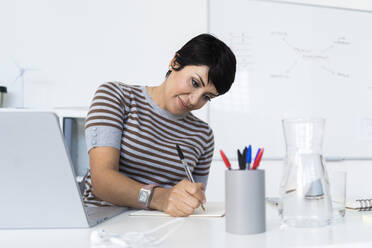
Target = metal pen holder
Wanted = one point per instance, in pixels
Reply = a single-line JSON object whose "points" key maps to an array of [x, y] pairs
{"points": [[245, 201]]}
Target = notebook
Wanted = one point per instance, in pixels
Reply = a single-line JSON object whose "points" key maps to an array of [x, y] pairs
{"points": [[37, 181], [212, 209], [360, 205]]}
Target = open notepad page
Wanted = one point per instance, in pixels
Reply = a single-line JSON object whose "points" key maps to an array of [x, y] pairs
{"points": [[212, 209]]}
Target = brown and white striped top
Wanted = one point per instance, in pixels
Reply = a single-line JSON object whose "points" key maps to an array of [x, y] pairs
{"points": [[125, 117]]}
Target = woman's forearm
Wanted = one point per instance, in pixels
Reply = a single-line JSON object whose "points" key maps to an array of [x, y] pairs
{"points": [[112, 186]]}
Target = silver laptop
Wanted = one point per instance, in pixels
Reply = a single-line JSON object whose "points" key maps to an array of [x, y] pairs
{"points": [[37, 180]]}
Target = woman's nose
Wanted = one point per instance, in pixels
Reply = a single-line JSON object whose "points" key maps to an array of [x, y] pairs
{"points": [[194, 98]]}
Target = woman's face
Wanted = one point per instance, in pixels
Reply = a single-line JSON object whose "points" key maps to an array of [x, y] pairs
{"points": [[188, 89]]}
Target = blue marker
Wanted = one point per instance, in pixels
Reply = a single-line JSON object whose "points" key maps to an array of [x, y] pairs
{"points": [[248, 158]]}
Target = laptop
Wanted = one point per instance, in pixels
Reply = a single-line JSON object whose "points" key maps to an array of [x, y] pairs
{"points": [[38, 187]]}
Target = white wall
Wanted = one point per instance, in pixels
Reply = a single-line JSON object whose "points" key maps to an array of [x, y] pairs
{"points": [[76, 45], [354, 4]]}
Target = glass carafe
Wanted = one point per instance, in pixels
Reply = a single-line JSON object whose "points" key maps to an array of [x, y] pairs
{"points": [[305, 200]]}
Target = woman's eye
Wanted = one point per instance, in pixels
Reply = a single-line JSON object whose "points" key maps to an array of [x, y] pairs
{"points": [[207, 98], [195, 84]]}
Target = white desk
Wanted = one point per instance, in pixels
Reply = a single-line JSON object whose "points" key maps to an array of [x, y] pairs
{"points": [[203, 232]]}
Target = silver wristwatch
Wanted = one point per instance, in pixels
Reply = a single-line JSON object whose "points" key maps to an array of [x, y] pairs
{"points": [[145, 195]]}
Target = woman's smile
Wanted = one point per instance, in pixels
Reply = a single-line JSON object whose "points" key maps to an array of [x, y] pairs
{"points": [[182, 104]]}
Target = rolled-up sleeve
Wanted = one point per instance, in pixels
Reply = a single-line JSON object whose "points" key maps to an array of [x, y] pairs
{"points": [[104, 122], [102, 136]]}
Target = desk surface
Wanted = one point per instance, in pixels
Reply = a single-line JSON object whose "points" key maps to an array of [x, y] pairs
{"points": [[203, 232]]}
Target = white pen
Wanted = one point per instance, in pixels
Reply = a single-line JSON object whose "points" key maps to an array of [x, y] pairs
{"points": [[187, 170]]}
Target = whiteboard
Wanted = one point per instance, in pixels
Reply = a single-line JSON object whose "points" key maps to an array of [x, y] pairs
{"points": [[294, 60]]}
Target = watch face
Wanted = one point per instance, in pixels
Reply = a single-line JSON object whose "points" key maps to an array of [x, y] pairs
{"points": [[144, 195]]}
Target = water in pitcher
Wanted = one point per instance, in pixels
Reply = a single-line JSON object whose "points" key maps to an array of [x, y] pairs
{"points": [[305, 200]]}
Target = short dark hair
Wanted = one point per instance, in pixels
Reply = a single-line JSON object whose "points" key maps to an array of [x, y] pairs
{"points": [[205, 49]]}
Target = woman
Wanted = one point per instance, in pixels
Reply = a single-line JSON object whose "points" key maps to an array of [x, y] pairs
{"points": [[132, 132]]}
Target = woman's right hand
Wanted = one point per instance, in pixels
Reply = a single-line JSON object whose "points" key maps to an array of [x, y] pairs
{"points": [[181, 200]]}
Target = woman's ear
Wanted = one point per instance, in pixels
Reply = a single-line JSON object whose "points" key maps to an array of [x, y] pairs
{"points": [[173, 65]]}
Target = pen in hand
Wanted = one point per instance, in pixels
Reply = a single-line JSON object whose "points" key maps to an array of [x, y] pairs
{"points": [[187, 170]]}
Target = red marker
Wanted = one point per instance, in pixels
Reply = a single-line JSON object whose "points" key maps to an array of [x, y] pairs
{"points": [[227, 163], [258, 159]]}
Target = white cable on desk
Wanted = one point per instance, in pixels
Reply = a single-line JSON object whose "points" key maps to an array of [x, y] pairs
{"points": [[102, 239]]}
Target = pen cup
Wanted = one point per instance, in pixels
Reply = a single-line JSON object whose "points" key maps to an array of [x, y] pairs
{"points": [[245, 201]]}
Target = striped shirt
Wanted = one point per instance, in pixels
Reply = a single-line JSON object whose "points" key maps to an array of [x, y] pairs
{"points": [[125, 117]]}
